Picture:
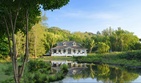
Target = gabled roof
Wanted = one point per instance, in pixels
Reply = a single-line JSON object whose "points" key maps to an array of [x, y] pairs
{"points": [[68, 44]]}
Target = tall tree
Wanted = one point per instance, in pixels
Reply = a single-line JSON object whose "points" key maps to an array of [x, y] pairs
{"points": [[50, 40], [89, 43], [64, 34], [36, 43], [18, 14]]}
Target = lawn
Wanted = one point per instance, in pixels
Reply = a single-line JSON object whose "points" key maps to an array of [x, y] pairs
{"points": [[3, 66], [49, 58], [128, 58]]}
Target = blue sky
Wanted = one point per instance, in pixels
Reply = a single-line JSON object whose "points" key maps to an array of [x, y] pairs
{"points": [[97, 15]]}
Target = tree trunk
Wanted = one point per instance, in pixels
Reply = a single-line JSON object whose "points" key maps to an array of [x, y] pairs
{"points": [[90, 50], [14, 59], [12, 50], [35, 42], [22, 67], [50, 50]]}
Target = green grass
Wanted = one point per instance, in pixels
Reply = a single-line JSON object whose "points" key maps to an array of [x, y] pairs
{"points": [[3, 65], [48, 58], [129, 58]]}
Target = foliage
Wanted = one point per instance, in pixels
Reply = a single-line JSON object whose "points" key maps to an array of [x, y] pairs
{"points": [[64, 68], [64, 34], [103, 69], [36, 43], [35, 65], [118, 40], [20, 43], [131, 58], [43, 38], [132, 55], [8, 69], [51, 39], [5, 71], [39, 71], [102, 47], [4, 51]]}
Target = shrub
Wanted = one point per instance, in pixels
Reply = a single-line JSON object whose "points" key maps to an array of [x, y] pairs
{"points": [[8, 70], [36, 65], [131, 55], [40, 72], [64, 68]]}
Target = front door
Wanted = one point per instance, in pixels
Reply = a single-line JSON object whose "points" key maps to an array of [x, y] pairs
{"points": [[69, 51]]}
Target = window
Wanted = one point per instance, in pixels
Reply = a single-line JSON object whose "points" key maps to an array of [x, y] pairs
{"points": [[83, 51], [74, 44], [54, 51], [74, 51], [78, 51], [59, 51], [64, 50], [64, 43]]}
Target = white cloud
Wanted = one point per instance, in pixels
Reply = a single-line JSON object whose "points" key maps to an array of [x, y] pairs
{"points": [[91, 15]]}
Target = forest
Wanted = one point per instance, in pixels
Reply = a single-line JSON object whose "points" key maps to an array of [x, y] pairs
{"points": [[42, 38]]}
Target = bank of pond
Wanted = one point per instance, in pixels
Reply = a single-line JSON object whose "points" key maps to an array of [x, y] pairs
{"points": [[38, 71], [116, 67], [129, 59]]}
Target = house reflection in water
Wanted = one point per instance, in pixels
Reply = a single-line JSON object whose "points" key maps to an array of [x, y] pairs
{"points": [[73, 67], [69, 63]]}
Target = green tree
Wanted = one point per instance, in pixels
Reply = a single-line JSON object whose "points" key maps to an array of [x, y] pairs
{"points": [[36, 43], [108, 31], [118, 40], [124, 40], [78, 37], [102, 47], [18, 14], [89, 43], [50, 40], [64, 34]]}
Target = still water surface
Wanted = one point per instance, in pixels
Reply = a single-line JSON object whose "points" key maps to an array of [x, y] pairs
{"points": [[102, 74]]}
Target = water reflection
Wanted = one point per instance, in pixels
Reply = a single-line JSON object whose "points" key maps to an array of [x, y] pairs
{"points": [[101, 73]]}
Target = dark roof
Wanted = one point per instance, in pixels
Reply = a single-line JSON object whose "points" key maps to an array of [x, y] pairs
{"points": [[68, 44]]}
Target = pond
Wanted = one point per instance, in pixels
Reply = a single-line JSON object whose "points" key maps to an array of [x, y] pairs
{"points": [[101, 73]]}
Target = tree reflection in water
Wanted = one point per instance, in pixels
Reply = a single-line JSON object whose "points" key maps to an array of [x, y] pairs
{"points": [[106, 73]]}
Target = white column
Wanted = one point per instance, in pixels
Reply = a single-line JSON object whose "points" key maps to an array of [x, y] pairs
{"points": [[57, 51], [66, 51], [72, 51], [76, 51], [61, 51]]}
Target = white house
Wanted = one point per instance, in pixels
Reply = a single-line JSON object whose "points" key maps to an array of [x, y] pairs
{"points": [[68, 48]]}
